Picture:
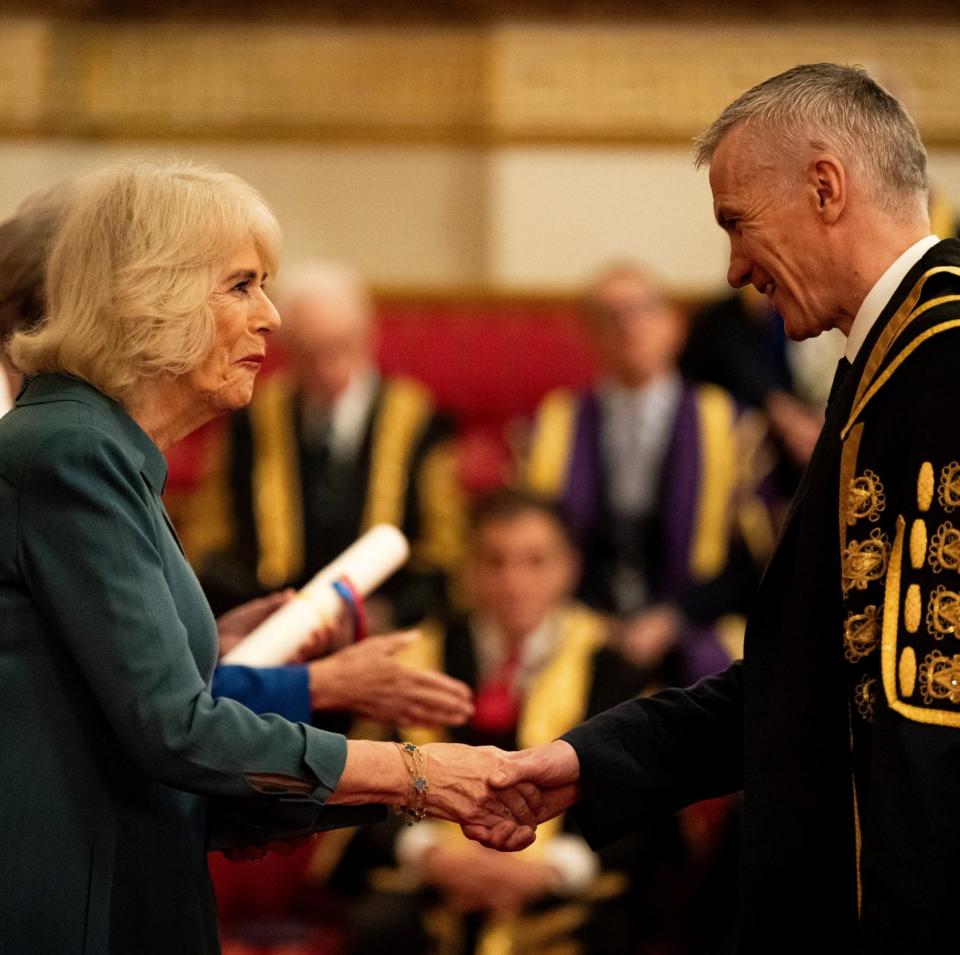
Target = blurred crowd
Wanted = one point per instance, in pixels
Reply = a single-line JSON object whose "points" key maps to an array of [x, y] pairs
{"points": [[616, 553]]}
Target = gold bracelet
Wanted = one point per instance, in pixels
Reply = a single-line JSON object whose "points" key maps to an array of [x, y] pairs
{"points": [[416, 767]]}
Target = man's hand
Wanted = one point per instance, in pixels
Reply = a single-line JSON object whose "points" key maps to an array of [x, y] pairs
{"points": [[365, 678], [553, 771]]}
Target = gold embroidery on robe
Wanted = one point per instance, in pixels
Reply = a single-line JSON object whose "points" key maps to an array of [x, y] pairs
{"points": [[907, 671], [943, 612], [861, 633], [948, 491], [865, 498], [925, 486], [940, 677], [945, 548], [865, 696], [912, 608], [865, 561], [918, 543]]}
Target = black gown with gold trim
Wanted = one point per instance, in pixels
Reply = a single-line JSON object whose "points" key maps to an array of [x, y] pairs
{"points": [[842, 725]]}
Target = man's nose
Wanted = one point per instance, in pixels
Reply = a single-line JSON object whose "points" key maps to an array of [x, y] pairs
{"points": [[738, 274]]}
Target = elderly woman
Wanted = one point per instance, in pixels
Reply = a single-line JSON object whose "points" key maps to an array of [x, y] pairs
{"points": [[118, 769]]}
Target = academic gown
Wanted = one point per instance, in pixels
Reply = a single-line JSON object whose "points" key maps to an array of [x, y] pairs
{"points": [[850, 767]]}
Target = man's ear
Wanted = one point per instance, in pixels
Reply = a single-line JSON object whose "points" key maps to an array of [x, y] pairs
{"points": [[827, 179]]}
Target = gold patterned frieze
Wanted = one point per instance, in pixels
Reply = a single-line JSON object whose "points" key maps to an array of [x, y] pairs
{"points": [[865, 498], [940, 677], [865, 561], [861, 633], [945, 549], [499, 82]]}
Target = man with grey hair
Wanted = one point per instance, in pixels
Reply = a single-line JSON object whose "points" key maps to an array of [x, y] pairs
{"points": [[842, 723]]}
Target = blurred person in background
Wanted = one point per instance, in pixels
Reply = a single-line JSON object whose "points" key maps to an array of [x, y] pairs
{"points": [[327, 449], [24, 240], [538, 662], [739, 343], [658, 481]]}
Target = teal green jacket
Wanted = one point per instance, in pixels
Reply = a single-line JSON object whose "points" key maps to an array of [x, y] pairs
{"points": [[118, 770]]}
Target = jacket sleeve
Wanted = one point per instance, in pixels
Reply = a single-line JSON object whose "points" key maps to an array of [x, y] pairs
{"points": [[89, 545], [281, 690], [649, 756]]}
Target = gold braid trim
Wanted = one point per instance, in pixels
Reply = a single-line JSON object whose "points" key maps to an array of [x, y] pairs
{"points": [[891, 624], [896, 326], [277, 494], [549, 459], [716, 415], [404, 412], [870, 382], [208, 525], [755, 462], [443, 509]]}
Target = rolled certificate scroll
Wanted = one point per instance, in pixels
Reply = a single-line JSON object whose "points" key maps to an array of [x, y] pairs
{"points": [[366, 563]]}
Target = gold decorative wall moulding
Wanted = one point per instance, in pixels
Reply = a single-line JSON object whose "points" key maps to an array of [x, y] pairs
{"points": [[497, 84]]}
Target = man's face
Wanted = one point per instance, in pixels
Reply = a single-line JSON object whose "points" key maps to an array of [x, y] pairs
{"points": [[327, 345], [522, 569], [777, 242], [636, 332]]}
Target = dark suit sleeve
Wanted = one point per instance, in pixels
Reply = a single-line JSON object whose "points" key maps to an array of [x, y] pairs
{"points": [[650, 756], [281, 690], [90, 547]]}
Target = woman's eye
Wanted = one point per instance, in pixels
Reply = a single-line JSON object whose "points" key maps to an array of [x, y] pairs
{"points": [[242, 286]]}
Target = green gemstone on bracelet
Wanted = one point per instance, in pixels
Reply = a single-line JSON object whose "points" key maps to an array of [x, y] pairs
{"points": [[420, 784]]}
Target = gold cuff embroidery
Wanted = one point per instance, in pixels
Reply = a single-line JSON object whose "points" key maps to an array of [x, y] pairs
{"points": [[907, 671], [865, 561], [943, 612], [925, 486], [918, 543], [948, 491], [912, 608], [940, 677], [865, 696], [865, 498], [945, 548], [861, 633]]}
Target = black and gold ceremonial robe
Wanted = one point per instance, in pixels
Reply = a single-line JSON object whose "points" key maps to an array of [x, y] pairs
{"points": [[842, 724], [276, 510]]}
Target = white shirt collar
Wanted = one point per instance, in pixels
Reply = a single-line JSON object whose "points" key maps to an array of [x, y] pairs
{"points": [[536, 649], [882, 292]]}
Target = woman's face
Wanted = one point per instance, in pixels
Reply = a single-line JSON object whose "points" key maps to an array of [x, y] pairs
{"points": [[244, 317]]}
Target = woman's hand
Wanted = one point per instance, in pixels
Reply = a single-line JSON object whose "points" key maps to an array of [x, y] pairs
{"points": [[457, 788], [367, 679], [459, 791]]}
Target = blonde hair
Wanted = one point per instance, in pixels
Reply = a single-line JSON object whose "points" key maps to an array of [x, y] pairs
{"points": [[132, 268]]}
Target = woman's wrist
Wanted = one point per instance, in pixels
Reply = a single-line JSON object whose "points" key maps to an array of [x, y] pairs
{"points": [[373, 773]]}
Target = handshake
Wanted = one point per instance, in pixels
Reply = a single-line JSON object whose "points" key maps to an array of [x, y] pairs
{"points": [[498, 798]]}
